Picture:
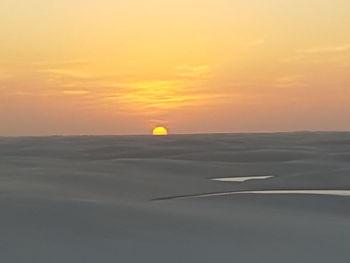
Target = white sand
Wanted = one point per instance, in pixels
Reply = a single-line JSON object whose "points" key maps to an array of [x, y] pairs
{"points": [[266, 192], [89, 199], [241, 179]]}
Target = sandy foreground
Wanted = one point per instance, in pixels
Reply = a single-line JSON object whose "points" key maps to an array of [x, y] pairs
{"points": [[116, 198]]}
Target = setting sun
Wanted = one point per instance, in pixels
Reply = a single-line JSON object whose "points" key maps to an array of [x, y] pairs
{"points": [[160, 131]]}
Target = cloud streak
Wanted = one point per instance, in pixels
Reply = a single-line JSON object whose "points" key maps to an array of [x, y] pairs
{"points": [[325, 49]]}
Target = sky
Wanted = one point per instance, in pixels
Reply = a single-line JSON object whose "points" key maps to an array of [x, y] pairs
{"points": [[73, 67]]}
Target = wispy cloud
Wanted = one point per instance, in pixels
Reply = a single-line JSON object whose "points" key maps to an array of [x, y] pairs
{"points": [[257, 42], [61, 63], [68, 73], [4, 74], [178, 89], [192, 71], [318, 55], [126, 91], [75, 92], [290, 81], [325, 49]]}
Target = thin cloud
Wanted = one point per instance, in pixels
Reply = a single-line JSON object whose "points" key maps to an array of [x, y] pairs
{"points": [[192, 71], [75, 92], [4, 74], [318, 55], [61, 63], [257, 42], [289, 82], [329, 49], [68, 73]]}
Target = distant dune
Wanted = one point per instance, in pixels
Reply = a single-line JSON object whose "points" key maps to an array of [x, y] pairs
{"points": [[110, 198]]}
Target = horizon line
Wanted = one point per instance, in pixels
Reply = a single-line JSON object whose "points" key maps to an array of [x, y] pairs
{"points": [[172, 134]]}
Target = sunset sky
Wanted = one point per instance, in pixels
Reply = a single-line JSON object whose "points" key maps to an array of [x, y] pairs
{"points": [[123, 67]]}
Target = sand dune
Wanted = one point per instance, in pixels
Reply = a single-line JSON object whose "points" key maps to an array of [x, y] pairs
{"points": [[88, 198]]}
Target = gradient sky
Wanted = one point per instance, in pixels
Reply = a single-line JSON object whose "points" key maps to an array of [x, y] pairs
{"points": [[122, 67]]}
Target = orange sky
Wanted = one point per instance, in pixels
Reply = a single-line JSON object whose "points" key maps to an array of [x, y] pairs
{"points": [[123, 67]]}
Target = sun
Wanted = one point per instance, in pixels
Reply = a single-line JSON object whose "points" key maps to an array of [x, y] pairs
{"points": [[160, 131]]}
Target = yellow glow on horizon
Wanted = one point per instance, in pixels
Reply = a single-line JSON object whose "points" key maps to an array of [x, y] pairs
{"points": [[160, 131], [157, 96]]}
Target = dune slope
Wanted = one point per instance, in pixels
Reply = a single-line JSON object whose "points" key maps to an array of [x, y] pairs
{"points": [[103, 198]]}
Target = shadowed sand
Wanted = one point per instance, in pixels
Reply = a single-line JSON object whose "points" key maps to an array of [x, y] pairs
{"points": [[87, 199], [271, 192]]}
